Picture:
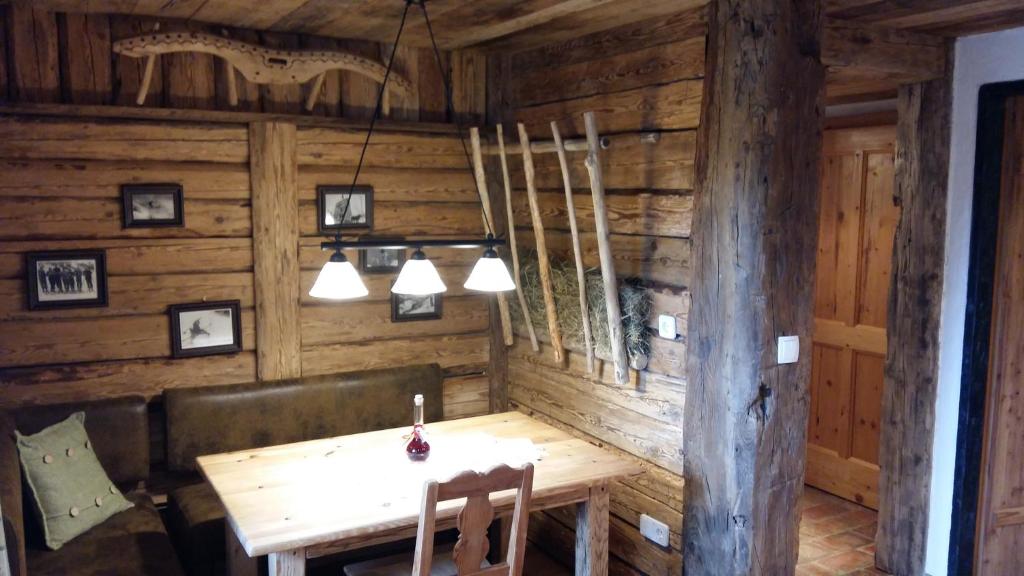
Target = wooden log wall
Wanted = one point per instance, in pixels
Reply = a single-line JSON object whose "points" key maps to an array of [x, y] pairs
{"points": [[59, 189], [58, 57], [636, 78]]}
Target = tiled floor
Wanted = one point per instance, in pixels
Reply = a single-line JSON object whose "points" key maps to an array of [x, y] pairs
{"points": [[836, 536]]}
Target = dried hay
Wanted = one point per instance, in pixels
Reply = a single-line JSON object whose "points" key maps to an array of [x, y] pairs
{"points": [[634, 301]]}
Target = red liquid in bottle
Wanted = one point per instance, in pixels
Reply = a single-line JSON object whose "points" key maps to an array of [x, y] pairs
{"points": [[418, 448]]}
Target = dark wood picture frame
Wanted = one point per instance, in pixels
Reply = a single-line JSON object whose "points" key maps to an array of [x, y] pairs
{"points": [[38, 301], [365, 267], [175, 311], [323, 190], [435, 315], [175, 191]]}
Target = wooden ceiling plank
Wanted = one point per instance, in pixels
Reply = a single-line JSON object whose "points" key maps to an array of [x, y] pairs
{"points": [[953, 17], [604, 17], [873, 52], [246, 14], [480, 21], [878, 10]]}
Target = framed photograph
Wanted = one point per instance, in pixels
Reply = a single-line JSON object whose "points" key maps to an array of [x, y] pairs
{"points": [[206, 328], [406, 308], [339, 208], [152, 205], [66, 279], [381, 260]]}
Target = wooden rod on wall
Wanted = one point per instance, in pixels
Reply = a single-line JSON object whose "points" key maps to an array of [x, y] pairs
{"points": [[581, 277], [604, 249], [547, 146], [512, 247], [485, 200], [542, 251]]}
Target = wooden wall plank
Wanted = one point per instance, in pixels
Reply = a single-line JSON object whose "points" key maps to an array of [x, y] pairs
{"points": [[447, 351], [360, 321], [466, 396], [334, 147], [86, 69], [128, 71], [396, 185], [673, 106], [641, 214], [34, 46], [189, 77], [275, 234], [407, 219], [643, 67], [111, 379]]}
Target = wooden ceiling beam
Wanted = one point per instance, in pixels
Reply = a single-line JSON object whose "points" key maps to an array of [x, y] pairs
{"points": [[864, 60]]}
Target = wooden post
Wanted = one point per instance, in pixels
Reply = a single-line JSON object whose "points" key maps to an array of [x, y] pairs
{"points": [[314, 91], [147, 79], [604, 250], [275, 230], [592, 533], [915, 296], [755, 234], [512, 247], [542, 250], [232, 82], [485, 200], [581, 276]]}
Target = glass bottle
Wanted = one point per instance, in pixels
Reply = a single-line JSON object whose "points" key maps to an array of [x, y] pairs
{"points": [[418, 448]]}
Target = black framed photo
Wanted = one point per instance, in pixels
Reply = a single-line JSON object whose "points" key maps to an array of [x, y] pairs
{"points": [[206, 328], [152, 205], [66, 279], [407, 308], [342, 207], [381, 260]]}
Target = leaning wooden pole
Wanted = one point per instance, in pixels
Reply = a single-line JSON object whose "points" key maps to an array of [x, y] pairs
{"points": [[581, 275], [485, 200], [604, 250], [542, 250], [512, 247], [755, 235]]}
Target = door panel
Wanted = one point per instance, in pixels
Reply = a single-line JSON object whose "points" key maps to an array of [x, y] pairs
{"points": [[856, 228], [1001, 507]]}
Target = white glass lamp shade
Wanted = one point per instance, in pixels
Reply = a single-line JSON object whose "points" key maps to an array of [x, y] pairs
{"points": [[338, 280], [490, 274], [418, 277]]}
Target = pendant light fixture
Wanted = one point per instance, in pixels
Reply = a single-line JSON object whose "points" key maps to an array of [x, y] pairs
{"points": [[338, 280]]}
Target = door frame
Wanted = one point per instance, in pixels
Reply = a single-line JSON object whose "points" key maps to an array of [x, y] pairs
{"points": [[988, 165]]}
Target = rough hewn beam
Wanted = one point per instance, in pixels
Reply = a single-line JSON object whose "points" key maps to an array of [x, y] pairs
{"points": [[864, 59], [754, 243], [911, 365]]}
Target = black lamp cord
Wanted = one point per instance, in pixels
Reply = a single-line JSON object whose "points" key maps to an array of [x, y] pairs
{"points": [[449, 108]]}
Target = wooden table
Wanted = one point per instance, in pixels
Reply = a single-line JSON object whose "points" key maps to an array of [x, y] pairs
{"points": [[321, 497]]}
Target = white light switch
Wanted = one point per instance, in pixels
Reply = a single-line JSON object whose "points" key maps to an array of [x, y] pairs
{"points": [[667, 326], [789, 349], [654, 530]]}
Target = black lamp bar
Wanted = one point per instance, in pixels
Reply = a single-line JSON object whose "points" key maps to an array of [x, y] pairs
{"points": [[399, 244]]}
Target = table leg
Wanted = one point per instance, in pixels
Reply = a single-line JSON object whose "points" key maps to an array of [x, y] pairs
{"points": [[290, 563], [239, 562], [592, 533]]}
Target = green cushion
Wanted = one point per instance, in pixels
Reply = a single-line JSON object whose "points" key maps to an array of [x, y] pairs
{"points": [[72, 492]]}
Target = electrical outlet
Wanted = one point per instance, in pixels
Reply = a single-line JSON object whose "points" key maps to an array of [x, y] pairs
{"points": [[789, 349], [654, 530], [667, 326]]}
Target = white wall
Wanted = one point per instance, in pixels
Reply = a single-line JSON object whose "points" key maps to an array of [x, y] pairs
{"points": [[980, 60]]}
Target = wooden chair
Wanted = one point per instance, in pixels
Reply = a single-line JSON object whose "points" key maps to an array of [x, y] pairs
{"points": [[468, 558]]}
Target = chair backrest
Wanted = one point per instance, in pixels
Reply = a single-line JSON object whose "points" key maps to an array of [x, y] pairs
{"points": [[474, 519]]}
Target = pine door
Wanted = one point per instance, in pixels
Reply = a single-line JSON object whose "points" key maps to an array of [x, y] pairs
{"points": [[1000, 542], [857, 224]]}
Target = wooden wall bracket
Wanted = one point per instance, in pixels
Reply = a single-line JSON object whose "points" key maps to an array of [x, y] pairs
{"points": [[257, 64]]}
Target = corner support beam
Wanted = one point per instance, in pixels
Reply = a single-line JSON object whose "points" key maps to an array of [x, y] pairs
{"points": [[754, 248], [915, 298]]}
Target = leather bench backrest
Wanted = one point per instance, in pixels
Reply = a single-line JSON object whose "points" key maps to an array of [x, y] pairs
{"points": [[216, 419], [118, 429]]}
